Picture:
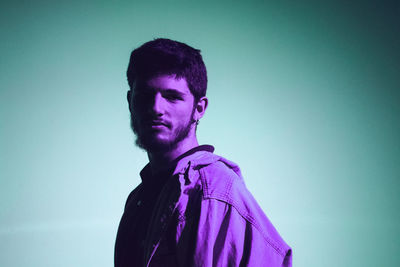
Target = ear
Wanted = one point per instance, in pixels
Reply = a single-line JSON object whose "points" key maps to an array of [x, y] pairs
{"points": [[200, 108], [129, 98]]}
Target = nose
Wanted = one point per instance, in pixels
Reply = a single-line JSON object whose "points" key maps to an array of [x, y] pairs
{"points": [[158, 105]]}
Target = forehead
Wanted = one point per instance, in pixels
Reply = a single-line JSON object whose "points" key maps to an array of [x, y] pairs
{"points": [[165, 82]]}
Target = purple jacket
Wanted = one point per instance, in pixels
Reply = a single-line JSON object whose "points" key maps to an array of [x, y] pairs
{"points": [[205, 216]]}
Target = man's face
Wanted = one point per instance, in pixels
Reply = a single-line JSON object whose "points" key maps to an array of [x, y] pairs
{"points": [[162, 111]]}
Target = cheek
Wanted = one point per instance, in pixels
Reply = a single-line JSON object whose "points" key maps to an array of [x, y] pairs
{"points": [[184, 110], [137, 110], [185, 114]]}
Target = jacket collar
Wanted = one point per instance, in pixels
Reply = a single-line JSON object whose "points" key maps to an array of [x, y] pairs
{"points": [[200, 155]]}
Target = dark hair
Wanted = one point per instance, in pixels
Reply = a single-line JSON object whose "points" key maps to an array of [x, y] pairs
{"points": [[165, 56]]}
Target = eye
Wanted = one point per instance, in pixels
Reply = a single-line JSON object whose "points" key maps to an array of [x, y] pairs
{"points": [[172, 97], [140, 95]]}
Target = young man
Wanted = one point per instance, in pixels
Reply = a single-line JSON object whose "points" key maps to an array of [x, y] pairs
{"points": [[192, 207]]}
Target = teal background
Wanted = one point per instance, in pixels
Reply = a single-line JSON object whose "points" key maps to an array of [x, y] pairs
{"points": [[303, 96]]}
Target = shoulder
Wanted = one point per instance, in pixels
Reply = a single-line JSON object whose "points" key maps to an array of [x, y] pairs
{"points": [[222, 183], [132, 197], [222, 180], [217, 180]]}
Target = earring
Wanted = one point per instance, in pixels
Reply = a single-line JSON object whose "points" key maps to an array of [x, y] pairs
{"points": [[197, 122]]}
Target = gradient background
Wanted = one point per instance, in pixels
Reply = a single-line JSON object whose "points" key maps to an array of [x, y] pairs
{"points": [[303, 96]]}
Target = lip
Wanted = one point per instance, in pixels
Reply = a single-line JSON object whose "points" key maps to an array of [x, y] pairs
{"points": [[157, 124], [158, 127]]}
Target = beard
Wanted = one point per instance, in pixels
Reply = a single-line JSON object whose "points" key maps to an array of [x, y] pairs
{"points": [[150, 143]]}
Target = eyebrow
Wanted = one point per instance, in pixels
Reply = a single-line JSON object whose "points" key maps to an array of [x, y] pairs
{"points": [[173, 91], [163, 90]]}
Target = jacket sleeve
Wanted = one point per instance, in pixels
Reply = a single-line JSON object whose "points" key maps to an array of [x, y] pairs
{"points": [[222, 237]]}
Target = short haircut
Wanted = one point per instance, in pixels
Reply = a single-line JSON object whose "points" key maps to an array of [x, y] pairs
{"points": [[167, 57]]}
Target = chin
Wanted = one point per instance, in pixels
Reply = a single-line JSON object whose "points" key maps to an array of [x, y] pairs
{"points": [[155, 144]]}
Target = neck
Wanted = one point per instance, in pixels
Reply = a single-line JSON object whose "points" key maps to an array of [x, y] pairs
{"points": [[160, 161]]}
